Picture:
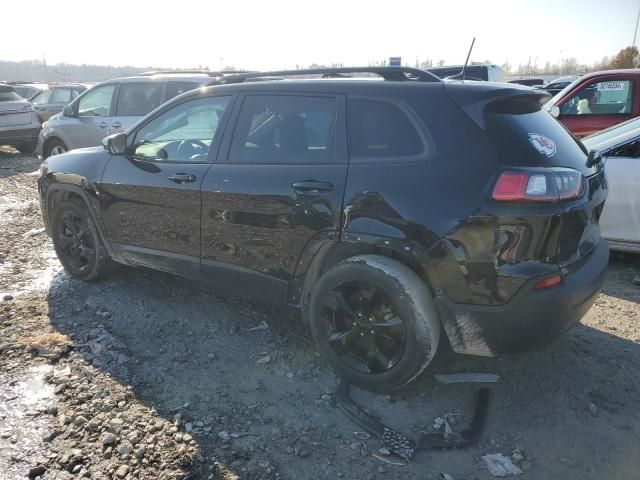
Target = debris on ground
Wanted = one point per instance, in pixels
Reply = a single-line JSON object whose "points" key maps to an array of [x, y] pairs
{"points": [[500, 466], [467, 378], [263, 360], [403, 446], [260, 326], [387, 460]]}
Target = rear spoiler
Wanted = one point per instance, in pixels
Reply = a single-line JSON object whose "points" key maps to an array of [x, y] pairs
{"points": [[478, 98]]}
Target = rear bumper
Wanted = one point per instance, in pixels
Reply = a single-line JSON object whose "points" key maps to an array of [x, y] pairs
{"points": [[10, 135], [531, 319]]}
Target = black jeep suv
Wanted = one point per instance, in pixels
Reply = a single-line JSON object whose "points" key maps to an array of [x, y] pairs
{"points": [[387, 209]]}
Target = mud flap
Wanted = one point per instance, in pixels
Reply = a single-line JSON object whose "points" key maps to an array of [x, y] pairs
{"points": [[403, 446]]}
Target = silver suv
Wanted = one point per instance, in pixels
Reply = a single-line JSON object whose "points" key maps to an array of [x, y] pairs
{"points": [[113, 106], [19, 125]]}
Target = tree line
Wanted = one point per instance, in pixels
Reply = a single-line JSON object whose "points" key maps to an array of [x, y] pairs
{"points": [[39, 71]]}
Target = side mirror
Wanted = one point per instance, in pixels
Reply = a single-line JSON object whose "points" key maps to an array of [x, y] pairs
{"points": [[115, 144], [67, 111], [555, 111]]}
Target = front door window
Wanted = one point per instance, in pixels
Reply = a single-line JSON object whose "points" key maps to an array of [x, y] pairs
{"points": [[182, 134], [97, 102]]}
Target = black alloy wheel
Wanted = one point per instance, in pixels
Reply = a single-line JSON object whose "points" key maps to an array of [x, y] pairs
{"points": [[373, 320], [363, 328], [77, 245]]}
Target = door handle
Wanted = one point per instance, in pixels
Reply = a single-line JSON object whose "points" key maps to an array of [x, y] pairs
{"points": [[116, 124], [311, 186], [103, 125], [183, 178]]}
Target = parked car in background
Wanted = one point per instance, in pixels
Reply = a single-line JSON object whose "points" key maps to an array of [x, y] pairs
{"points": [[52, 99], [556, 86], [620, 147], [490, 73], [27, 90], [597, 100], [386, 211], [19, 125], [112, 107], [529, 82]]}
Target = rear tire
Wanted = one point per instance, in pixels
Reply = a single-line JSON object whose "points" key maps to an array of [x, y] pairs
{"points": [[77, 242], [373, 320], [27, 148], [55, 147]]}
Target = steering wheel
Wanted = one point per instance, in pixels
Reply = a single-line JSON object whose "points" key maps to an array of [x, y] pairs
{"points": [[188, 148]]}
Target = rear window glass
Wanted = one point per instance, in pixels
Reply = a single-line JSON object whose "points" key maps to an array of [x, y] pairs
{"points": [[7, 93], [138, 99], [176, 88], [534, 139], [381, 130]]}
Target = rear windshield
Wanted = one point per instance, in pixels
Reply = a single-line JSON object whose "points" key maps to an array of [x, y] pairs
{"points": [[535, 139], [7, 93]]}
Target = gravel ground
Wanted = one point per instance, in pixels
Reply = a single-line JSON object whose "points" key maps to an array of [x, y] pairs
{"points": [[146, 375]]}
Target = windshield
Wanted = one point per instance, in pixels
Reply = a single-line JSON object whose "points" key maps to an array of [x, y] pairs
{"points": [[622, 129], [7, 93], [556, 98]]}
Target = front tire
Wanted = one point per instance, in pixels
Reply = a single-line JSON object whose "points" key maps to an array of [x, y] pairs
{"points": [[373, 320], [55, 147], [77, 242]]}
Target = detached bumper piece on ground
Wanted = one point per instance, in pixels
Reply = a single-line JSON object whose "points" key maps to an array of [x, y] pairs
{"points": [[403, 446]]}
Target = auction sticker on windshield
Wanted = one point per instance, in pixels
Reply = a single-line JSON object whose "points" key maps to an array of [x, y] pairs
{"points": [[608, 86]]}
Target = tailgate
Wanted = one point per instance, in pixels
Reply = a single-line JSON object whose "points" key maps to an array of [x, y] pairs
{"points": [[15, 113], [580, 232], [529, 139], [15, 118]]}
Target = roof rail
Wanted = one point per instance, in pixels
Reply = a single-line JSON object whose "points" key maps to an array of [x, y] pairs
{"points": [[205, 72], [394, 74]]}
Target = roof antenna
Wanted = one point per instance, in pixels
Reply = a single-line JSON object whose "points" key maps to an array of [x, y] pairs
{"points": [[461, 75]]}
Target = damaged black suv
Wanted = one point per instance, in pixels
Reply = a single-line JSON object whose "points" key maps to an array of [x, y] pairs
{"points": [[392, 208]]}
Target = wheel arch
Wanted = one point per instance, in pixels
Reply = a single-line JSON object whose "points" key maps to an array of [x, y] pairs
{"points": [[61, 192], [333, 253], [47, 143]]}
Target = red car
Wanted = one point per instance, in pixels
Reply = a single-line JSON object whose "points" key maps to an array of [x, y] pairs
{"points": [[597, 101]]}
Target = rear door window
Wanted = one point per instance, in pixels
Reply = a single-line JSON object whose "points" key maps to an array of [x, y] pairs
{"points": [[136, 99], [42, 98], [285, 129], [601, 98], [380, 130]]}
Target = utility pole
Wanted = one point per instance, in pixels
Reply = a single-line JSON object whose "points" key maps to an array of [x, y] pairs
{"points": [[635, 33]]}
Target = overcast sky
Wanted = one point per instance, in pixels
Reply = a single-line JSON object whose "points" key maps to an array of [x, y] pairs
{"points": [[282, 33]]}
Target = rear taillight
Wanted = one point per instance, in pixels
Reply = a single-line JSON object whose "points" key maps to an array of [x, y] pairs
{"points": [[548, 282], [550, 185]]}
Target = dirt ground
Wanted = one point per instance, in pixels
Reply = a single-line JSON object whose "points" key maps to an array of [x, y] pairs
{"points": [[146, 375]]}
